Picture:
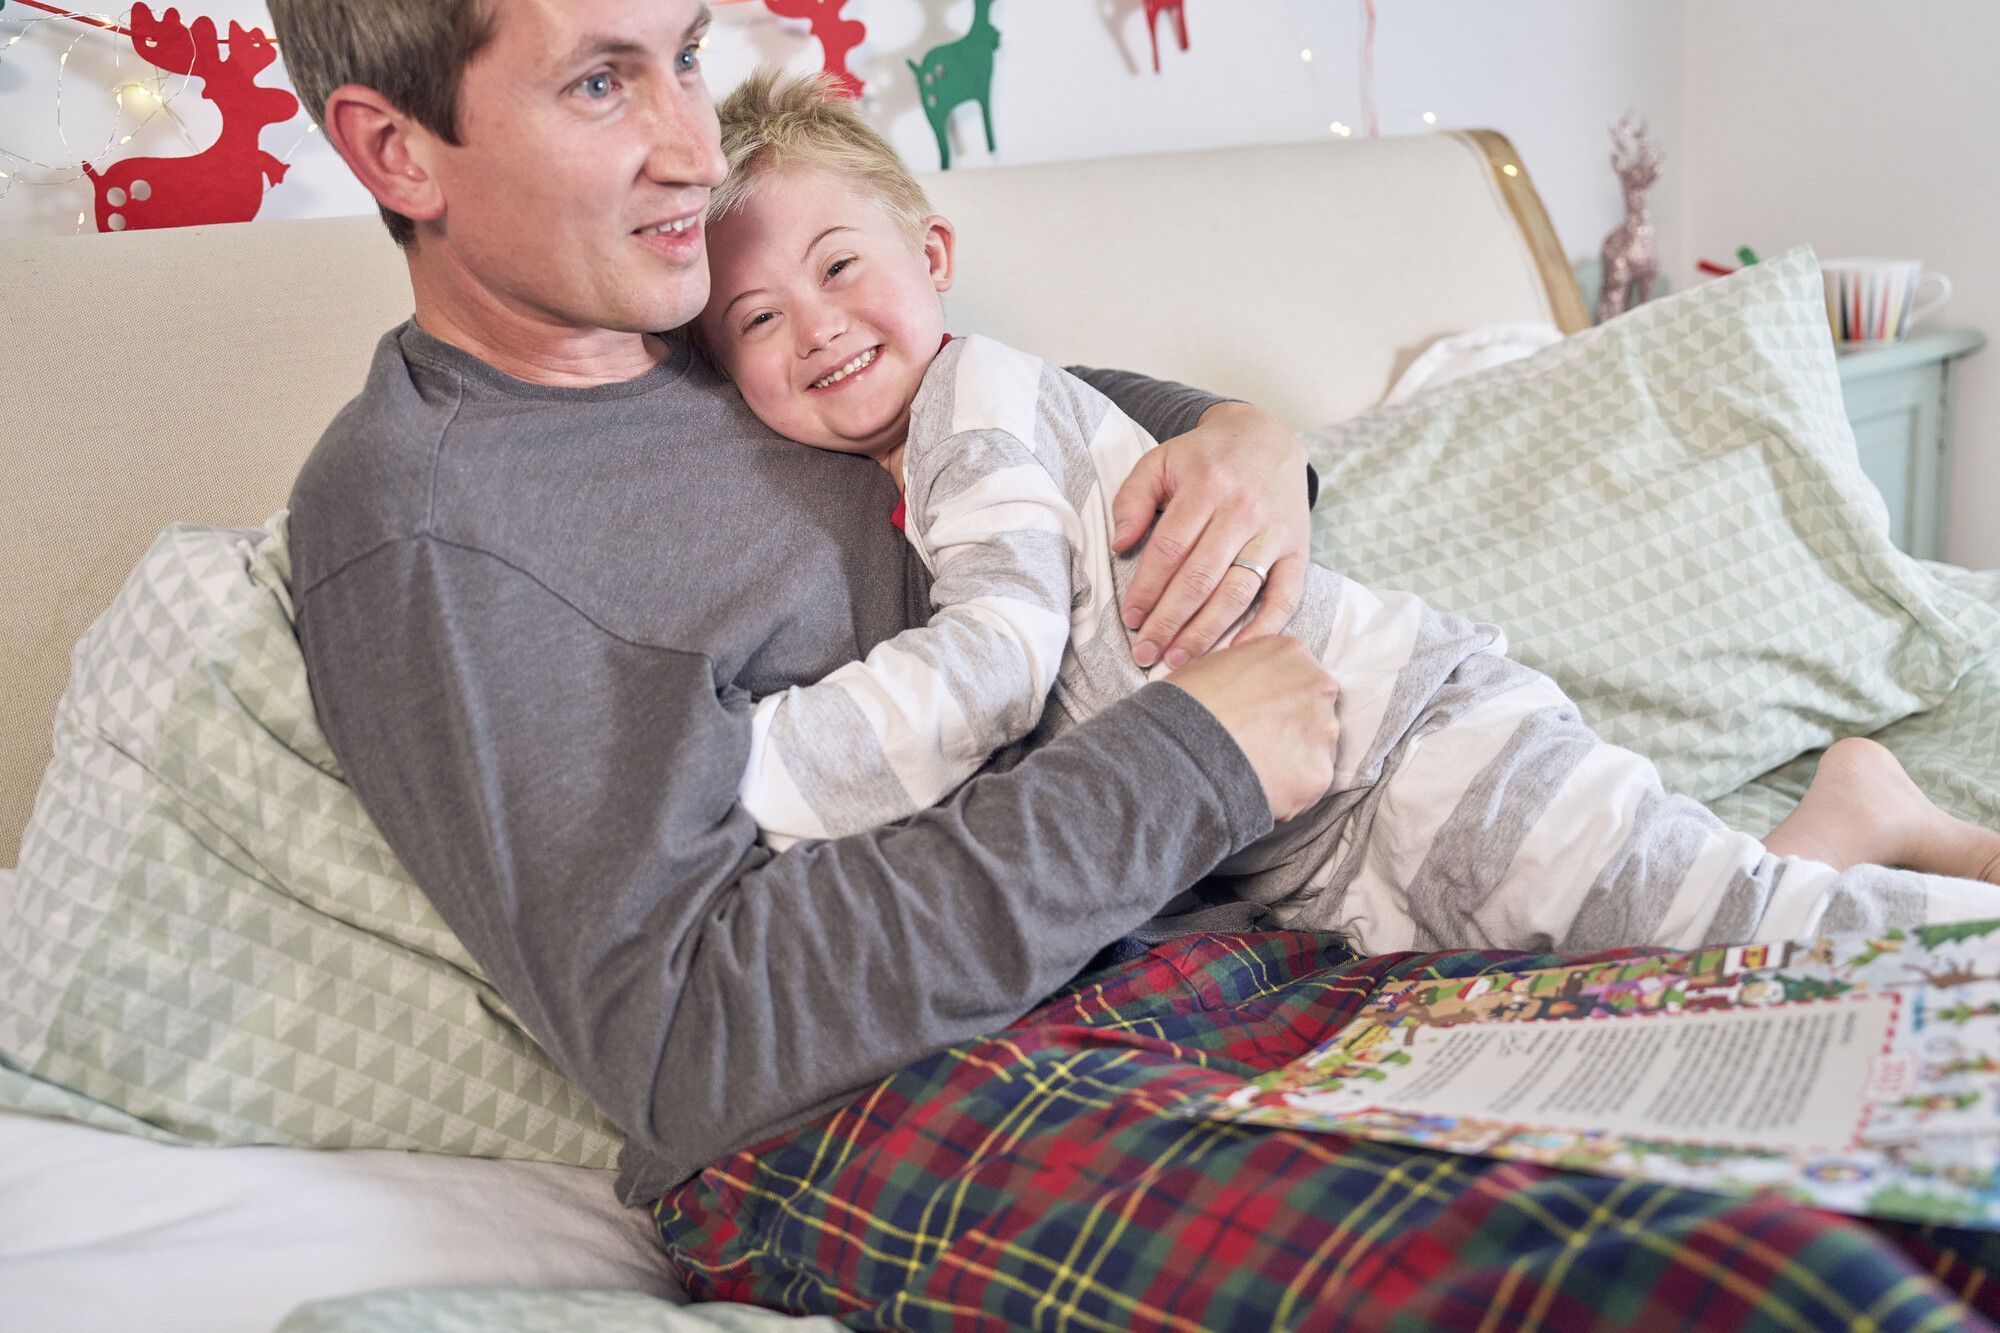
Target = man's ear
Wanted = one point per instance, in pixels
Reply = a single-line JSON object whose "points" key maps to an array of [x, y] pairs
{"points": [[939, 240], [388, 151]]}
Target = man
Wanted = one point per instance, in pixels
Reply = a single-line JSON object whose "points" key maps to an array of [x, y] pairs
{"points": [[536, 676], [546, 558]]}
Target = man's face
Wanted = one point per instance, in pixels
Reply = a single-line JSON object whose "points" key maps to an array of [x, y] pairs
{"points": [[587, 135], [825, 309]]}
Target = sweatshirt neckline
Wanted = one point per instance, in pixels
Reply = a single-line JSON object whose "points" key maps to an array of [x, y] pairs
{"points": [[419, 344]]}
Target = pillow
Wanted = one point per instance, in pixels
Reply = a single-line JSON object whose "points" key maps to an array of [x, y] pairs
{"points": [[208, 934], [1952, 751], [1666, 514], [104, 1233], [1457, 355]]}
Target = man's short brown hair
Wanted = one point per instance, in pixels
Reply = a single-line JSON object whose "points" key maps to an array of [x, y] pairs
{"points": [[413, 52]]}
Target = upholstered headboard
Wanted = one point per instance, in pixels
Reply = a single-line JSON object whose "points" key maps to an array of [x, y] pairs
{"points": [[147, 377]]}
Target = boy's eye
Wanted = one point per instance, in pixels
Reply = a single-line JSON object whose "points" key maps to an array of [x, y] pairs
{"points": [[689, 60], [761, 317]]}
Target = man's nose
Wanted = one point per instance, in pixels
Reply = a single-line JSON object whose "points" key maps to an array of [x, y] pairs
{"points": [[685, 145]]}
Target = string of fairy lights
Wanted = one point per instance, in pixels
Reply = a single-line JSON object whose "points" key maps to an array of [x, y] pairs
{"points": [[148, 95]]}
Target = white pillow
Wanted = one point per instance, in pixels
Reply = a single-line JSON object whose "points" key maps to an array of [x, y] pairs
{"points": [[109, 1232], [1461, 354]]}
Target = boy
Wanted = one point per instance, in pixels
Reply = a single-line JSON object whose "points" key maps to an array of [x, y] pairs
{"points": [[1470, 806]]}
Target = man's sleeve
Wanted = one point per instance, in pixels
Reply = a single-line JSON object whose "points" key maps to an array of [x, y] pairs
{"points": [[1165, 409], [567, 799], [1162, 408], [885, 737]]}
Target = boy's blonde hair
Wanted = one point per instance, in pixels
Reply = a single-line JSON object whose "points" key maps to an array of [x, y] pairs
{"points": [[775, 120]]}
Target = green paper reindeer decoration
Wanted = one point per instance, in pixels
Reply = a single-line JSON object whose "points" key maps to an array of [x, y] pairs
{"points": [[960, 72]]}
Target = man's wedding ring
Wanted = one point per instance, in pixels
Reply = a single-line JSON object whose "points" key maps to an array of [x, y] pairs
{"points": [[1261, 571]]}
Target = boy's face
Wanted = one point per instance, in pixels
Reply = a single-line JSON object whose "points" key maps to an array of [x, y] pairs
{"points": [[825, 310]]}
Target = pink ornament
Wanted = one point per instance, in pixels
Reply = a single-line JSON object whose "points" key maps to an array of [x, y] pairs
{"points": [[1631, 257]]}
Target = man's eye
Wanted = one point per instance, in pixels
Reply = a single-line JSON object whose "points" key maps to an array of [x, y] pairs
{"points": [[599, 86], [689, 60]]}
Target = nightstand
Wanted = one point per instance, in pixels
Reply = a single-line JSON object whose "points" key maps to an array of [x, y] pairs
{"points": [[1899, 400]]}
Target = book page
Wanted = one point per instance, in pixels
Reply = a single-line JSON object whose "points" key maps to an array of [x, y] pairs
{"points": [[1859, 1071], [1790, 1076]]}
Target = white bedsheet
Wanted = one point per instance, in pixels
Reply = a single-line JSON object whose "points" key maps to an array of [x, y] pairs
{"points": [[102, 1231]]}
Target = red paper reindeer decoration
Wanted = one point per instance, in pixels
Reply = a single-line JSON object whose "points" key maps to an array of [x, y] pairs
{"points": [[837, 36], [1153, 10], [225, 183]]}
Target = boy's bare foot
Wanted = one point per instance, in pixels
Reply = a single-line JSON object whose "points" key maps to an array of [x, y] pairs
{"points": [[1863, 809]]}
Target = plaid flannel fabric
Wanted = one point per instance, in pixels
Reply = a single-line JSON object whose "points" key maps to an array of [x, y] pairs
{"points": [[1031, 1180]]}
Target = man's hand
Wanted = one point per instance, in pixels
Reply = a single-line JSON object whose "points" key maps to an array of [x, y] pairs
{"points": [[1232, 488], [1277, 703]]}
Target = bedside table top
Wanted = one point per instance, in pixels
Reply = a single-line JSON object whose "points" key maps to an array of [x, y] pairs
{"points": [[1919, 349]]}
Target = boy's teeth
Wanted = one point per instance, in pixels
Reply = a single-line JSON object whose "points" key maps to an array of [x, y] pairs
{"points": [[846, 370], [682, 225]]}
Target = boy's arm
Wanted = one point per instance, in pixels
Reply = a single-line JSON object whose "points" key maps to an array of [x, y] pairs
{"points": [[885, 737]]}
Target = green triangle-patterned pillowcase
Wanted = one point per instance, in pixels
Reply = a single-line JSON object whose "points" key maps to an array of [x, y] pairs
{"points": [[210, 941], [1667, 515]]}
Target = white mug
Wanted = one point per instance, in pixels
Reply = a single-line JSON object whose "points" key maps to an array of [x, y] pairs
{"points": [[1870, 301]]}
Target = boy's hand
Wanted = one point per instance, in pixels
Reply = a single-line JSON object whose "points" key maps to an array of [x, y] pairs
{"points": [[1233, 488]]}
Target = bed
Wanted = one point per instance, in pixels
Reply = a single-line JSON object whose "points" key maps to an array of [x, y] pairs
{"points": [[193, 370]]}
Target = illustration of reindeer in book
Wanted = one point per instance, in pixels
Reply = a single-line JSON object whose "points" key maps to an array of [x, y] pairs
{"points": [[1952, 973], [226, 182], [837, 35], [960, 72]]}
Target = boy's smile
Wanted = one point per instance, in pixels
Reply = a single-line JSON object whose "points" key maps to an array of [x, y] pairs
{"points": [[824, 309]]}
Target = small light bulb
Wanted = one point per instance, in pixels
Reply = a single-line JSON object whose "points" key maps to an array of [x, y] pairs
{"points": [[1307, 55], [1511, 170], [1340, 128], [1430, 117]]}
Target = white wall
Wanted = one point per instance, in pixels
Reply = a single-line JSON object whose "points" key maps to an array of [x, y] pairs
{"points": [[1862, 128], [1074, 79]]}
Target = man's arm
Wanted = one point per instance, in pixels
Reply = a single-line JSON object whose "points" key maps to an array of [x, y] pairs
{"points": [[885, 737], [567, 800], [1225, 485]]}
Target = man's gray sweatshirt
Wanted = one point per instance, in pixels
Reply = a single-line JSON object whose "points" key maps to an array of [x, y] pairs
{"points": [[534, 619]]}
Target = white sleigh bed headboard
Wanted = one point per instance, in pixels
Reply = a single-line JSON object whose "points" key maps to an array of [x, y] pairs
{"points": [[190, 371], [1300, 277]]}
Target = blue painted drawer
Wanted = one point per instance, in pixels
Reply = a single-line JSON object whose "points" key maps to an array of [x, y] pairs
{"points": [[1899, 401]]}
